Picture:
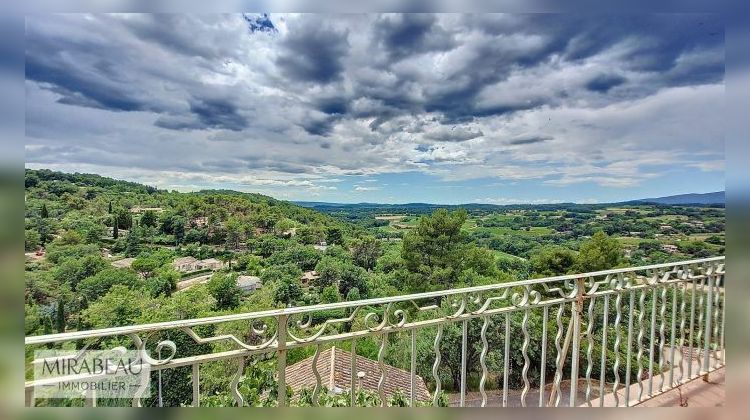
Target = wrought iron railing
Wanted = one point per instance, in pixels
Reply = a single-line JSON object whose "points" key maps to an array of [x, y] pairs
{"points": [[620, 336]]}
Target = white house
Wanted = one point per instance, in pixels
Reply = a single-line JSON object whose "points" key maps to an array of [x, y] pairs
{"points": [[249, 283], [184, 264]]}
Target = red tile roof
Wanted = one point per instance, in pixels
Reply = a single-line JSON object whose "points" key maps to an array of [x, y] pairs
{"points": [[334, 367]]}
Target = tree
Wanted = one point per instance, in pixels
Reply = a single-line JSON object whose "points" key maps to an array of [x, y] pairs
{"points": [[223, 287], [60, 315], [145, 265], [311, 234], [252, 264], [119, 307], [92, 288], [329, 271], [366, 251], [124, 219], [353, 277], [44, 213], [552, 261], [432, 252], [93, 234], [133, 243], [481, 261], [288, 290], [31, 180], [334, 235], [109, 209], [148, 219], [233, 233], [330, 295], [304, 256], [353, 295], [115, 230], [283, 226], [600, 252], [178, 228], [31, 240], [266, 245], [44, 229], [164, 282], [73, 270]]}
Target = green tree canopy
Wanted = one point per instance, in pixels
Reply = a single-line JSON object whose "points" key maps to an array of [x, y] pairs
{"points": [[600, 252], [552, 261], [433, 251], [366, 251], [223, 287], [98, 285]]}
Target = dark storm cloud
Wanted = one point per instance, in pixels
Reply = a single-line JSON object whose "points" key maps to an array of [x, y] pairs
{"points": [[218, 113], [346, 92], [317, 126], [45, 63], [332, 106], [313, 52], [604, 82], [529, 140], [405, 34]]}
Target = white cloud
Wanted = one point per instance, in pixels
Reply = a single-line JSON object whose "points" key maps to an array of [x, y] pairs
{"points": [[190, 101]]}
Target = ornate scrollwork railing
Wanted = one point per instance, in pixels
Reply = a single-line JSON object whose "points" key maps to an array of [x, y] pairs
{"points": [[607, 309]]}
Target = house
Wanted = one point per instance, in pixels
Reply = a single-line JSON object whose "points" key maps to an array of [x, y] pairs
{"points": [[335, 368], [199, 222], [669, 248], [308, 277], [665, 227], [185, 264], [321, 246], [138, 209], [289, 233], [123, 263], [249, 283], [209, 263]]}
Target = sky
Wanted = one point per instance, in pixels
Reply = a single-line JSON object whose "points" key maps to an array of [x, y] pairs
{"points": [[393, 108]]}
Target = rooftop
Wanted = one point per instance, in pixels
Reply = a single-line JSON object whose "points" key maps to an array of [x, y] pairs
{"points": [[334, 366]]}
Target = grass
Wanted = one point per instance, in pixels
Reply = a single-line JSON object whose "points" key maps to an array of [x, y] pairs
{"points": [[505, 230]]}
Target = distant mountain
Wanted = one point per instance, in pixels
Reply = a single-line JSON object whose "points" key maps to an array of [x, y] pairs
{"points": [[682, 199]]}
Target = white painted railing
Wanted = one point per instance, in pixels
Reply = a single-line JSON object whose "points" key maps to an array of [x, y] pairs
{"points": [[676, 337]]}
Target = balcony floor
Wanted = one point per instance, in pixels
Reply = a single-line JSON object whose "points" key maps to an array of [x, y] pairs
{"points": [[696, 393]]}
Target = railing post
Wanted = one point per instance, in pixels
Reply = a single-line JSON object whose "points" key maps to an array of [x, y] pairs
{"points": [[281, 359], [709, 310], [577, 313]]}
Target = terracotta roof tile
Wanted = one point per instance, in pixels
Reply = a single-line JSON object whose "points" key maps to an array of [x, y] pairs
{"points": [[334, 367]]}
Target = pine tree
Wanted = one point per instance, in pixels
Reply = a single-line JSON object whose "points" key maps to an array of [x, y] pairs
{"points": [[110, 208], [60, 316], [44, 212], [115, 230]]}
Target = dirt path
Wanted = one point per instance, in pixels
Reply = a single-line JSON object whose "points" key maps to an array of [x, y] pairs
{"points": [[182, 285]]}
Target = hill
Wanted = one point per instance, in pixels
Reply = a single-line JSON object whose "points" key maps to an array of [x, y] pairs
{"points": [[717, 197]]}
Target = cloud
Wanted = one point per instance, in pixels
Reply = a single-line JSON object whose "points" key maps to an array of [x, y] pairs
{"points": [[404, 34], [529, 140], [443, 133], [315, 97], [313, 52], [604, 82]]}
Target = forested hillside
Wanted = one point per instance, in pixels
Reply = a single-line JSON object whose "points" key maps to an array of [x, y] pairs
{"points": [[103, 253]]}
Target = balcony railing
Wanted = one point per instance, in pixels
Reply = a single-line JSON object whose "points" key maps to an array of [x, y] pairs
{"points": [[614, 337]]}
